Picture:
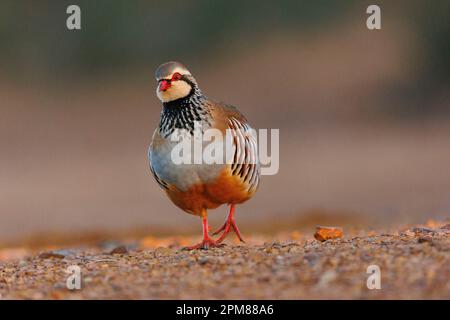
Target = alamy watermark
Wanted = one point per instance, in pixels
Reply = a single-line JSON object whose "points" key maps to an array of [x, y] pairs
{"points": [[73, 281], [236, 146], [374, 280], [373, 22], [73, 21]]}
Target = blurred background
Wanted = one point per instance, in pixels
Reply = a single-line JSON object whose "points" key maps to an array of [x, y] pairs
{"points": [[364, 116]]}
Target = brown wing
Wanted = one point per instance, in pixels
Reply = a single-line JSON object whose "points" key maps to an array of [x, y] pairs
{"points": [[245, 165]]}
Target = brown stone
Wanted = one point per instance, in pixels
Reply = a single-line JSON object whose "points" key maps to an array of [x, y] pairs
{"points": [[326, 233]]}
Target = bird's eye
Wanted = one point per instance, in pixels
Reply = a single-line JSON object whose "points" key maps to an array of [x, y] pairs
{"points": [[176, 76]]}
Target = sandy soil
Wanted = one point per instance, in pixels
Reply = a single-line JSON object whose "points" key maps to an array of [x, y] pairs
{"points": [[414, 264]]}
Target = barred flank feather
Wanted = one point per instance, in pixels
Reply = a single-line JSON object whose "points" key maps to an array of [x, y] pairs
{"points": [[245, 154]]}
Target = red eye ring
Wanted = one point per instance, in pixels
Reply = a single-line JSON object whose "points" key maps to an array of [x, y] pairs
{"points": [[176, 76]]}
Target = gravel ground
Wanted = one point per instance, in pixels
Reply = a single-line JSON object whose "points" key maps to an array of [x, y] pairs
{"points": [[414, 264]]}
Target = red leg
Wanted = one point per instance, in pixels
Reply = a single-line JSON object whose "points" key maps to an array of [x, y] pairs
{"points": [[226, 224], [230, 223], [207, 242]]}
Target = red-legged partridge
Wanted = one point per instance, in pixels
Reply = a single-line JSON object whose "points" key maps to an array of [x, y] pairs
{"points": [[196, 187]]}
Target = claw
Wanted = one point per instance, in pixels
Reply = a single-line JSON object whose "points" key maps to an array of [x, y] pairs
{"points": [[205, 245], [230, 223], [207, 242]]}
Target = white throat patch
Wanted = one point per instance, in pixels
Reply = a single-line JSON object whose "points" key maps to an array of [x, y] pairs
{"points": [[178, 89]]}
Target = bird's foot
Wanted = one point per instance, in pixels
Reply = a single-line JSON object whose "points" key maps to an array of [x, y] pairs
{"points": [[205, 245], [225, 229]]}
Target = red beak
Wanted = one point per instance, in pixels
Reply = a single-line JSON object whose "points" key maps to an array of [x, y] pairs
{"points": [[164, 85]]}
